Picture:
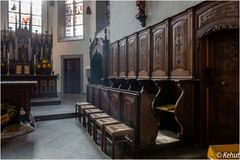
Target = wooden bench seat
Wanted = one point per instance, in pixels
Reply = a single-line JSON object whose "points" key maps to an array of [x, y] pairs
{"points": [[99, 127], [80, 106], [117, 133], [87, 112], [91, 119]]}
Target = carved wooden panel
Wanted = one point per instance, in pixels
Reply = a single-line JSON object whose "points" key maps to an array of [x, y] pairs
{"points": [[110, 63], [90, 94], [181, 46], [130, 109], [52, 86], [132, 56], [122, 58], [115, 59], [160, 51], [144, 54], [43, 87], [216, 16], [114, 104], [104, 100], [96, 96]]}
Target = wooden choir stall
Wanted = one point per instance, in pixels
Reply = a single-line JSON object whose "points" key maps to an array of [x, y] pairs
{"points": [[155, 80]]}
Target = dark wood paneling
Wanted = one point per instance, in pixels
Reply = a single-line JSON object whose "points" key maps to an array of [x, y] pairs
{"points": [[90, 94], [160, 51], [130, 104], [214, 16], [144, 54], [46, 84], [114, 104], [104, 100], [110, 63], [132, 56], [181, 45], [148, 123], [123, 58], [18, 94], [184, 108], [96, 96]]}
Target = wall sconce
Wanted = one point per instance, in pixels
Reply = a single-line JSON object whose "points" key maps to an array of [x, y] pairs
{"points": [[13, 7], [88, 11], [141, 16]]}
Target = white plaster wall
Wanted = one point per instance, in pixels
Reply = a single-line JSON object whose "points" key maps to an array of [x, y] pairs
{"points": [[71, 47], [124, 23], [4, 15]]}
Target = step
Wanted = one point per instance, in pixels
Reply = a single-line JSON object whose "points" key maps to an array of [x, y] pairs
{"points": [[54, 116], [43, 101]]}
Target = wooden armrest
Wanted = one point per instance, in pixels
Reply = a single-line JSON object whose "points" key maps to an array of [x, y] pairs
{"points": [[167, 107]]}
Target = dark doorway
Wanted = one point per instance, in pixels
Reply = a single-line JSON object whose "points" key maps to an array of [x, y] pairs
{"points": [[222, 88], [72, 82]]}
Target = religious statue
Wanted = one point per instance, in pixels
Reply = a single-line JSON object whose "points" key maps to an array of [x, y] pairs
{"points": [[141, 16]]}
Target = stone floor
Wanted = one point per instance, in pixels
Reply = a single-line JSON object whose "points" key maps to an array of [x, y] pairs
{"points": [[55, 139], [66, 139]]}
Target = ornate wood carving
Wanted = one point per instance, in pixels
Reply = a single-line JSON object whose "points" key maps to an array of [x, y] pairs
{"points": [[122, 58], [144, 54], [115, 59], [182, 48], [132, 56], [217, 16], [160, 51]]}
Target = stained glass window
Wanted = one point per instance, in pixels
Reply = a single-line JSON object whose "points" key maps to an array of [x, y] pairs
{"points": [[74, 18], [27, 12]]}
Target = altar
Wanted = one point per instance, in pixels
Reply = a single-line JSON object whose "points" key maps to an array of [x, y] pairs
{"points": [[46, 85], [27, 56]]}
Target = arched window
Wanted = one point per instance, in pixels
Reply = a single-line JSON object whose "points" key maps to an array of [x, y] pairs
{"points": [[25, 12], [73, 24]]}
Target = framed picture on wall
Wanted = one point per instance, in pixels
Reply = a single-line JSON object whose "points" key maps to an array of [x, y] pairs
{"points": [[26, 69], [18, 69]]}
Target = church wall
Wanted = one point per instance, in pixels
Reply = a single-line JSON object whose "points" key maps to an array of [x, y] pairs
{"points": [[72, 47], [124, 23]]}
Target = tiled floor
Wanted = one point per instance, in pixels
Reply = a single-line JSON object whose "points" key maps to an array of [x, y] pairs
{"points": [[66, 139]]}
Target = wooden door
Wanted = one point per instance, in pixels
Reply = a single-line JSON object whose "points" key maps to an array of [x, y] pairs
{"points": [[72, 75], [224, 88]]}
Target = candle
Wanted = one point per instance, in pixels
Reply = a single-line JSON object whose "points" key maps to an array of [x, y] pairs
{"points": [[34, 60], [41, 55], [34, 63], [8, 57], [8, 63]]}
